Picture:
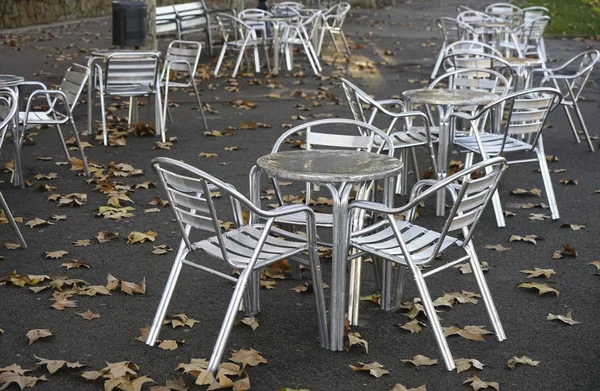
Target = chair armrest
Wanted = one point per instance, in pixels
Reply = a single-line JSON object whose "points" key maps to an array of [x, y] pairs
{"points": [[57, 94], [168, 64], [222, 10], [35, 83]]}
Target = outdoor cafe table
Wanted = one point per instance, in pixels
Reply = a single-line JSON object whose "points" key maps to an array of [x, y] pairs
{"points": [[446, 100], [13, 82], [101, 56], [522, 67], [328, 168], [275, 21]]}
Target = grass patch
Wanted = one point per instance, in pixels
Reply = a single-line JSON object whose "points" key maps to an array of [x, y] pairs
{"points": [[570, 17]]}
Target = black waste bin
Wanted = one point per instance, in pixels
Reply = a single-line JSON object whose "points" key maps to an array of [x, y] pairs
{"points": [[129, 23]]}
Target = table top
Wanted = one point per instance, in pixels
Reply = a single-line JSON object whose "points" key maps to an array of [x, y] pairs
{"points": [[270, 18], [11, 80], [108, 52], [523, 62], [495, 24], [329, 166], [445, 96]]}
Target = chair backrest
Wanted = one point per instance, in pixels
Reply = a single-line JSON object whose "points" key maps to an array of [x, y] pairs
{"points": [[574, 73], [522, 113], [132, 69], [449, 27], [8, 109], [73, 83], [478, 60], [473, 17], [286, 8], [166, 19], [232, 28], [335, 133], [336, 15], [502, 9], [255, 13], [532, 30], [474, 79], [465, 46], [531, 13], [179, 55], [193, 195]]}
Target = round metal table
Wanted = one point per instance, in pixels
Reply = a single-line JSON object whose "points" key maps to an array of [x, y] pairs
{"points": [[329, 167], [11, 81], [446, 99]]}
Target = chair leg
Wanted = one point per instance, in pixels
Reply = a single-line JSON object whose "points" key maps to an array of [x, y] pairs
{"points": [[220, 61], [310, 49], [103, 115], [256, 59], [547, 180], [582, 122], [166, 111], [309, 55], [167, 294], [321, 37], [80, 147], [572, 123], [169, 116], [433, 319], [11, 220], [331, 34], [317, 280], [62, 140], [485, 293], [345, 42], [199, 104], [438, 62], [400, 280]]}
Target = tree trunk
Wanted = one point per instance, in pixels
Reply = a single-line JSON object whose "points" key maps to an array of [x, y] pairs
{"points": [[151, 25], [239, 5]]}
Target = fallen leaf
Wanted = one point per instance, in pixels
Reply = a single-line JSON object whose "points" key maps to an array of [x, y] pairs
{"points": [[106, 236], [131, 287], [54, 365], [478, 384], [400, 387], [81, 243], [567, 251], [180, 320], [414, 326], [161, 249], [374, 368], [247, 357], [35, 334], [420, 360], [521, 360], [250, 321], [56, 254], [168, 344], [355, 339], [542, 288], [88, 315], [539, 272], [497, 247], [568, 319], [474, 333], [12, 246], [526, 238], [595, 263], [75, 265], [37, 221], [574, 227], [139, 237], [464, 364], [207, 154], [568, 181]]}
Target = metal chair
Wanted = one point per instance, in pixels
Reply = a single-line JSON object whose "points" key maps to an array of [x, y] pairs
{"points": [[131, 74], [248, 247], [570, 79], [404, 135], [504, 11], [528, 39], [60, 103], [450, 34], [478, 60], [463, 46], [296, 33], [517, 127], [332, 22], [238, 36], [413, 246], [182, 56], [8, 110]]}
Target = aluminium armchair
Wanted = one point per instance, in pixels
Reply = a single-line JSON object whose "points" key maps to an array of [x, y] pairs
{"points": [[248, 247], [414, 247]]}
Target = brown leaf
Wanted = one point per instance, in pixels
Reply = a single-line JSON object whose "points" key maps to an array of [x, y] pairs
{"points": [[568, 181], [414, 326], [542, 288], [35, 334], [478, 384], [354, 339], [521, 360], [464, 364], [247, 357], [568, 319], [77, 264], [400, 387], [526, 238], [574, 227], [497, 247], [139, 237], [37, 221], [250, 321], [168, 344], [567, 251], [56, 254], [539, 272], [144, 331], [374, 368], [420, 360], [474, 333], [88, 315], [81, 243], [12, 246], [161, 249], [54, 365], [106, 236], [131, 287], [6, 378], [207, 154]]}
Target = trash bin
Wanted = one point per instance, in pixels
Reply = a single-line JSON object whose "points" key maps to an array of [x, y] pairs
{"points": [[129, 23]]}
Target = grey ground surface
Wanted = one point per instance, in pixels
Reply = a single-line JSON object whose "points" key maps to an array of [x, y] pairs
{"points": [[393, 50]]}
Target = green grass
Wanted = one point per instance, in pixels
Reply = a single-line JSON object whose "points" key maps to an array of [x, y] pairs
{"points": [[570, 17]]}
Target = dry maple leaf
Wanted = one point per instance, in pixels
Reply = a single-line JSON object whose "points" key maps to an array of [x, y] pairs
{"points": [[247, 357], [250, 321], [542, 288], [9, 377], [139, 237], [174, 384], [73, 199], [574, 227], [75, 265], [168, 344], [526, 238], [568, 319], [54, 365], [374, 368], [464, 364], [569, 181], [81, 243], [144, 332], [354, 339], [194, 367], [12, 246], [539, 272], [161, 249], [414, 326], [401, 387], [521, 360], [478, 384], [567, 251], [37, 221], [594, 263], [420, 360], [180, 320], [497, 247], [106, 236], [56, 254], [35, 334], [88, 315], [131, 287], [474, 333]]}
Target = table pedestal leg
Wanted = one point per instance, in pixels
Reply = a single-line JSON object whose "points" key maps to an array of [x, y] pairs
{"points": [[276, 48], [443, 159]]}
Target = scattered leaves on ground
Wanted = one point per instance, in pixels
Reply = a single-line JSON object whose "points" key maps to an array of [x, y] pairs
{"points": [[568, 318], [374, 368], [524, 360], [542, 288]]}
